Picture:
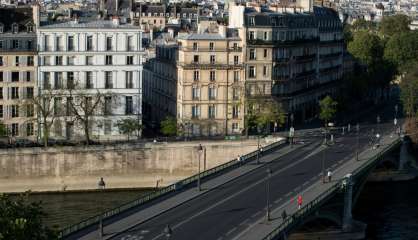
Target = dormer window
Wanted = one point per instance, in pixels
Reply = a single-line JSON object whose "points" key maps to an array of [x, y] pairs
{"points": [[1, 27], [15, 28], [29, 28], [252, 21]]}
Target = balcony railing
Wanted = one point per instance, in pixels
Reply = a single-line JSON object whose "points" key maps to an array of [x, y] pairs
{"points": [[280, 42]]}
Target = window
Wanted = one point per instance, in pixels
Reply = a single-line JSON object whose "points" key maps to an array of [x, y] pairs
{"points": [[47, 60], [264, 70], [17, 61], [130, 43], [265, 36], [252, 54], [211, 111], [1, 93], [30, 61], [1, 111], [1, 42], [235, 93], [47, 81], [108, 105], [71, 60], [129, 60], [70, 43], [59, 43], [30, 44], [107, 127], [235, 111], [57, 106], [15, 76], [235, 46], [236, 76], [108, 60], [212, 59], [1, 77], [265, 53], [30, 110], [251, 37], [252, 21], [211, 46], [236, 60], [58, 60], [108, 43], [58, 80], [70, 80], [89, 43], [15, 129], [46, 43], [15, 111], [15, 28], [195, 46], [29, 129], [89, 80], [29, 92], [212, 93], [129, 79], [212, 76], [195, 111], [108, 80], [196, 58], [1, 61], [252, 72], [89, 60], [235, 127], [69, 110], [195, 93], [28, 76], [196, 75], [129, 105], [15, 44]]}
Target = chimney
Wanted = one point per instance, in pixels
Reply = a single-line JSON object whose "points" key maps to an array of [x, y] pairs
{"points": [[115, 20], [35, 14]]}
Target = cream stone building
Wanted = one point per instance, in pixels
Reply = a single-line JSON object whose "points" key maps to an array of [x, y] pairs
{"points": [[17, 71]]}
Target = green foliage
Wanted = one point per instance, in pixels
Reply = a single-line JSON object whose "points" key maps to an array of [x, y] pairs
{"points": [[366, 47], [328, 109], [21, 220], [409, 92], [263, 112], [3, 130], [392, 25], [169, 126], [363, 25], [129, 126], [402, 48]]}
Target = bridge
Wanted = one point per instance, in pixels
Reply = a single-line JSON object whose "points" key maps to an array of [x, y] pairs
{"points": [[246, 199]]}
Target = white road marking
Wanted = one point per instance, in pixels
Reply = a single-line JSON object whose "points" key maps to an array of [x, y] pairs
{"points": [[231, 231]]}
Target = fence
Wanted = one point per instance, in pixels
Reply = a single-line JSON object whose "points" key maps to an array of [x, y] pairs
{"points": [[171, 188]]}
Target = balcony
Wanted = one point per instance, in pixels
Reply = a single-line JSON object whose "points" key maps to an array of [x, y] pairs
{"points": [[309, 57], [280, 42], [209, 65]]}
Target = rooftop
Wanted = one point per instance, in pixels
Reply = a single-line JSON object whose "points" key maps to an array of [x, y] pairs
{"points": [[97, 23]]}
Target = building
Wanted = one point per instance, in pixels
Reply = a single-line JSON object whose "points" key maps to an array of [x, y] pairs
{"points": [[18, 71], [91, 59], [205, 88]]}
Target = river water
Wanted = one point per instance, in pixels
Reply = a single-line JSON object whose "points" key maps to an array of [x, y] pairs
{"points": [[390, 209]]}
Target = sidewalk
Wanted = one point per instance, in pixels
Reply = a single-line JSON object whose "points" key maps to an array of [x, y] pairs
{"points": [[143, 215], [261, 228]]}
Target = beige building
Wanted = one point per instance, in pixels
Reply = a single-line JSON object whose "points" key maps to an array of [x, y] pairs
{"points": [[209, 77], [17, 72]]}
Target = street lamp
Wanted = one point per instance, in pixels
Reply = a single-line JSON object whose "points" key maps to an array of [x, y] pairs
{"points": [[200, 150], [258, 143], [323, 158], [358, 132], [268, 193], [101, 186], [168, 231]]}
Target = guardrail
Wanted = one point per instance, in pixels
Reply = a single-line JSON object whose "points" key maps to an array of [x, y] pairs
{"points": [[314, 204], [171, 188]]}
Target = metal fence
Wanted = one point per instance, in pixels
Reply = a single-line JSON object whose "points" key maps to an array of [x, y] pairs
{"points": [[305, 211], [171, 188]]}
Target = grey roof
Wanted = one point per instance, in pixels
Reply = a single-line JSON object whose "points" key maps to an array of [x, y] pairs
{"points": [[89, 24], [202, 36]]}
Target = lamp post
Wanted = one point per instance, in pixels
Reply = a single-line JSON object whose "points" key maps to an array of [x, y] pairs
{"points": [[268, 194], [200, 150], [168, 231], [101, 186], [357, 148], [258, 143], [323, 157]]}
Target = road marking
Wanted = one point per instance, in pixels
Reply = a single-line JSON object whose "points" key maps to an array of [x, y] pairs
{"points": [[255, 214], [278, 200], [305, 183], [334, 165], [231, 231], [313, 178], [245, 222], [288, 194]]}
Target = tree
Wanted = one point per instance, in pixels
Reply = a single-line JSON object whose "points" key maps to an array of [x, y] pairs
{"points": [[47, 110], [169, 126], [366, 47], [401, 49], [261, 112], [409, 92], [363, 25], [328, 108], [129, 126], [393, 25], [21, 220], [3, 130]]}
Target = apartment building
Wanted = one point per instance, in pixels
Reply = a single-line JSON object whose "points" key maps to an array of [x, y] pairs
{"points": [[201, 81], [18, 71], [87, 58]]}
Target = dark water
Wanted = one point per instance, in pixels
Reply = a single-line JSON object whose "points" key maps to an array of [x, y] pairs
{"points": [[69, 208], [390, 210]]}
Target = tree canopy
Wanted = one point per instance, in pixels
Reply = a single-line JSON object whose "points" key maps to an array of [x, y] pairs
{"points": [[366, 47], [402, 48], [128, 126], [328, 109], [169, 126], [392, 25]]}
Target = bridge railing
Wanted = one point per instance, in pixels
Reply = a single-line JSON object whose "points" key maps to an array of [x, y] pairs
{"points": [[298, 216], [168, 189]]}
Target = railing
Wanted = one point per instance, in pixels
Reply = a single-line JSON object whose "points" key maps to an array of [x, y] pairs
{"points": [[298, 216], [171, 188]]}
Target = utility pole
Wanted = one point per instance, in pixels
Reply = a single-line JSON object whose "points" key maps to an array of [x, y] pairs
{"points": [[268, 194], [200, 151]]}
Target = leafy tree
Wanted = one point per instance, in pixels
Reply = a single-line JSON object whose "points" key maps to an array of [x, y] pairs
{"points": [[129, 126], [328, 109], [366, 47], [3, 130], [409, 92], [393, 25], [402, 48], [169, 126], [261, 112], [363, 25], [22, 220]]}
